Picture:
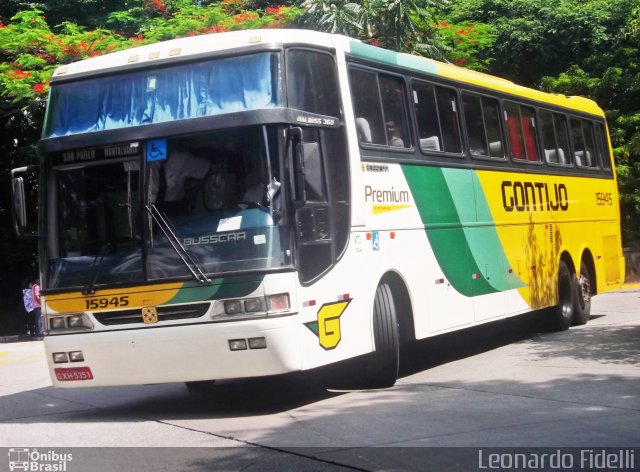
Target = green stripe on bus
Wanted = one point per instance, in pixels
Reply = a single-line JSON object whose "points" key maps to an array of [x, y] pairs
{"points": [[460, 229], [486, 245], [228, 287], [366, 51], [444, 227]]}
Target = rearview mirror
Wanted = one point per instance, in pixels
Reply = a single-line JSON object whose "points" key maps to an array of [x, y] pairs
{"points": [[23, 200]]}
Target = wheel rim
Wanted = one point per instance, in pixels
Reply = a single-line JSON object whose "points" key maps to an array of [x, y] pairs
{"points": [[585, 290]]}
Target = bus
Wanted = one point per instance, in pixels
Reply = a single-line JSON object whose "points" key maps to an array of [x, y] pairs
{"points": [[259, 202]]}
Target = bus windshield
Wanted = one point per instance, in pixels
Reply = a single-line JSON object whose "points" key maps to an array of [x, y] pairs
{"points": [[176, 92], [143, 211]]}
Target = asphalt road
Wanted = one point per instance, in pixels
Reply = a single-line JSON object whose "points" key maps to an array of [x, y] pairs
{"points": [[501, 385]]}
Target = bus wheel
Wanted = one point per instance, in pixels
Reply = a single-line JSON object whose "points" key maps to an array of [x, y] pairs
{"points": [[563, 312], [384, 371], [582, 306], [200, 386]]}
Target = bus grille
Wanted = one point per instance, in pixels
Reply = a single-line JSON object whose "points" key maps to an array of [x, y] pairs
{"points": [[165, 313]]}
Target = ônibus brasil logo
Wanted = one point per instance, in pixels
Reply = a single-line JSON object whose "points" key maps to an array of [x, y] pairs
{"points": [[21, 458]]}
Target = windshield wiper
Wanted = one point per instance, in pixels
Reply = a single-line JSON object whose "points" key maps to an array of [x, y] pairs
{"points": [[95, 270], [188, 260]]}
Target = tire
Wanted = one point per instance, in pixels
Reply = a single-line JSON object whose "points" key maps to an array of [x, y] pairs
{"points": [[582, 305], [386, 359], [563, 313]]}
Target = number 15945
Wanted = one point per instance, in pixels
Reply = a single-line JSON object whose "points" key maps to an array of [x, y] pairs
{"points": [[106, 302]]}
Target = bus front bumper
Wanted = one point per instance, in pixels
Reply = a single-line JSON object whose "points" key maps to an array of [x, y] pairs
{"points": [[176, 354]]}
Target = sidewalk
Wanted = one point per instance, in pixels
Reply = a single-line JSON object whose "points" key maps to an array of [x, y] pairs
{"points": [[18, 338]]}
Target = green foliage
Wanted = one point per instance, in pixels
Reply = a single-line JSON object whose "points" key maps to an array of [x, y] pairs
{"points": [[400, 25], [542, 37]]}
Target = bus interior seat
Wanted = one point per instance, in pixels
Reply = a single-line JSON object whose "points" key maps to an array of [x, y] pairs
{"points": [[432, 143], [555, 156], [583, 158], [364, 130], [495, 148]]}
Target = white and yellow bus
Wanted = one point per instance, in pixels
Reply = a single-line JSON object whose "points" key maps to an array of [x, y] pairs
{"points": [[260, 202]]}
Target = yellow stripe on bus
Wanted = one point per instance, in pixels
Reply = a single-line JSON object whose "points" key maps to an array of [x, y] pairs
{"points": [[125, 298]]}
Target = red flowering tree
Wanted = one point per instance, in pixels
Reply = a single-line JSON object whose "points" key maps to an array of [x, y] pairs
{"points": [[30, 49], [466, 42]]}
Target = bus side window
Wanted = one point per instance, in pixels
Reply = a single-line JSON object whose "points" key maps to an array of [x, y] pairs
{"points": [[312, 86], [437, 118], [521, 126], [380, 109], [449, 121], [553, 133], [548, 138], [514, 128], [483, 125], [395, 114], [367, 107], [602, 147], [589, 141], [562, 137], [582, 138]]}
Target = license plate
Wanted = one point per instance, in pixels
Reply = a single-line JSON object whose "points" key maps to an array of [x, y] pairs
{"points": [[73, 373]]}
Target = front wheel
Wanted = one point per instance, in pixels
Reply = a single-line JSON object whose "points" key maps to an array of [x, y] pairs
{"points": [[386, 359], [582, 307]]}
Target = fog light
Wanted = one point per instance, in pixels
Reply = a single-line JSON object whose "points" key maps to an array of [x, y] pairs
{"points": [[75, 321], [60, 357], [279, 302], [76, 356], [233, 307], [257, 343], [253, 304], [238, 344], [57, 323]]}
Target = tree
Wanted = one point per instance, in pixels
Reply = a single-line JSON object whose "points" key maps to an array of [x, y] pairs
{"points": [[32, 45], [542, 37], [400, 25]]}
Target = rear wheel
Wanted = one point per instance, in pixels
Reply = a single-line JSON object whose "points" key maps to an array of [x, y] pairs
{"points": [[562, 314], [384, 371], [582, 306]]}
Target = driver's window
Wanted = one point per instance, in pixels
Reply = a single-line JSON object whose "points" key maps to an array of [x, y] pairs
{"points": [[196, 177]]}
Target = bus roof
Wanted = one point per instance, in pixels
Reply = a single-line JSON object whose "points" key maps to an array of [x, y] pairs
{"points": [[202, 44]]}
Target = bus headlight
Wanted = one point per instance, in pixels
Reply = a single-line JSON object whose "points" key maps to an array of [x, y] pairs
{"points": [[251, 308], [279, 302], [57, 323], [69, 322], [75, 321], [253, 305], [60, 357], [233, 307]]}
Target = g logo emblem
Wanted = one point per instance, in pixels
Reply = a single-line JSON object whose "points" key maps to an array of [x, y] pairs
{"points": [[149, 314], [327, 328]]}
